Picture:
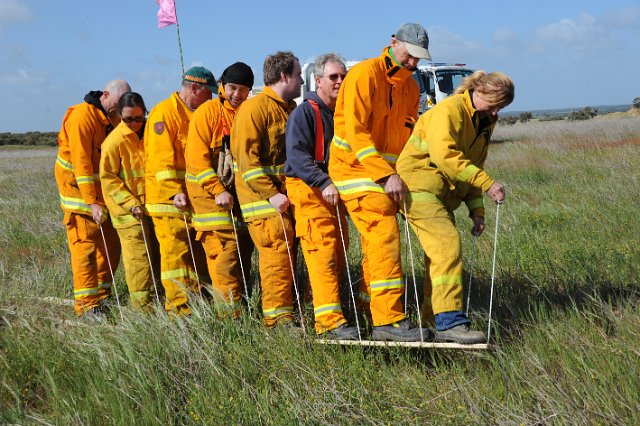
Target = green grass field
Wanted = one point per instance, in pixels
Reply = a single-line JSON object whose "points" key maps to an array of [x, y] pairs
{"points": [[566, 319]]}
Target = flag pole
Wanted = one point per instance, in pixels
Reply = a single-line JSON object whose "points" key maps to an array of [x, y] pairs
{"points": [[175, 8]]}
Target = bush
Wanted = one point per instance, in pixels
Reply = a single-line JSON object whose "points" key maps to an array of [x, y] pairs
{"points": [[584, 114]]}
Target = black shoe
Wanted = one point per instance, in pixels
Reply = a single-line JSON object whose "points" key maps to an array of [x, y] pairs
{"points": [[461, 334], [341, 332], [402, 331]]}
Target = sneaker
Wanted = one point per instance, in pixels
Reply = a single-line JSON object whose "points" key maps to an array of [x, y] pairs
{"points": [[341, 332], [461, 334], [402, 331], [94, 315]]}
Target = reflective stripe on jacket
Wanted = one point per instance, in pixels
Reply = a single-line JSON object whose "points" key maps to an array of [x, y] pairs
{"points": [[122, 175], [446, 153], [84, 128], [165, 137], [258, 149], [209, 124], [375, 112]]}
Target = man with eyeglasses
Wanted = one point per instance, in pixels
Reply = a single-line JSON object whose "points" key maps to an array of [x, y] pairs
{"points": [[84, 128], [211, 191], [166, 195], [315, 197], [375, 112]]}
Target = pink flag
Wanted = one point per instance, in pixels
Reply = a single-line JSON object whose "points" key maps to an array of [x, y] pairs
{"points": [[166, 13]]}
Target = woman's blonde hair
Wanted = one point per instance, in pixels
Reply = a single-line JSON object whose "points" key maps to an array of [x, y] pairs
{"points": [[494, 87]]}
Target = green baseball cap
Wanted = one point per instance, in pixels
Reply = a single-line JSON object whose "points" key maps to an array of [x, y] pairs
{"points": [[203, 76]]}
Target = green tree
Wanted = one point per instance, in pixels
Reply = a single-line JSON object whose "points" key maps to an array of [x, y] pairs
{"points": [[636, 102]]}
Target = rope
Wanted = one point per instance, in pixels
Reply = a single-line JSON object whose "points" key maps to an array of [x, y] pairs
{"points": [[346, 263], [146, 247], [413, 269], [473, 260], [193, 258], [493, 270], [293, 275], [244, 280], [113, 277]]}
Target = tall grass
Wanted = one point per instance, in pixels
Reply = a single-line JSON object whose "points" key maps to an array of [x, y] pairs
{"points": [[566, 308]]}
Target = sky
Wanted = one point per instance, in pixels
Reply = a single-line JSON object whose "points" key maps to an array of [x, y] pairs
{"points": [[560, 54]]}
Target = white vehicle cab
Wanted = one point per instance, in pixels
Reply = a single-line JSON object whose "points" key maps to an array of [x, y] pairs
{"points": [[437, 81]]}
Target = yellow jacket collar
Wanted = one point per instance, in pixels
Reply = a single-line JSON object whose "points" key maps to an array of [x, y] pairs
{"points": [[395, 72]]}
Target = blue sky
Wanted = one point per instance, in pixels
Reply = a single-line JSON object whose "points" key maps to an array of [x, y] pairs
{"points": [[559, 53]]}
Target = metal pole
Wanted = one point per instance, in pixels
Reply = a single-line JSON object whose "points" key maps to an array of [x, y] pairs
{"points": [[113, 277], [493, 270], [473, 260], [193, 257], [246, 287], [146, 247], [178, 31], [413, 269], [346, 263], [293, 275]]}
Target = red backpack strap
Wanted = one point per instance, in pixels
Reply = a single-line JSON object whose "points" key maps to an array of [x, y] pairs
{"points": [[319, 131]]}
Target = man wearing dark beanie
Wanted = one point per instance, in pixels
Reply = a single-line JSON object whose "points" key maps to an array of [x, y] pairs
{"points": [[210, 188]]}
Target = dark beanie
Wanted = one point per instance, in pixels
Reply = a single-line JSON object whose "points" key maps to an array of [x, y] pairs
{"points": [[238, 73]]}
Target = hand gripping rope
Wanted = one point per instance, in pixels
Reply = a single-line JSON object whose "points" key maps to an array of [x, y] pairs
{"points": [[244, 281], [413, 269], [293, 275], [146, 247], [346, 263], [113, 277], [193, 257]]}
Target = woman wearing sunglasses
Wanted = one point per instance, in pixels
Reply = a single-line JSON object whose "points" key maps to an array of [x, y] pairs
{"points": [[122, 178]]}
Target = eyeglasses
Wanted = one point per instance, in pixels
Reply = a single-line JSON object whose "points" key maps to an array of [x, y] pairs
{"points": [[334, 77], [139, 119]]}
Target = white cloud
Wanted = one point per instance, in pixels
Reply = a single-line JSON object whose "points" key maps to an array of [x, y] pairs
{"points": [[584, 34], [24, 77], [12, 11], [446, 46]]}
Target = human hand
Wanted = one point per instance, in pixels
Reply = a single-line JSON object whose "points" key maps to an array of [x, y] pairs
{"points": [[331, 194], [224, 200], [395, 188], [137, 212], [280, 202], [496, 192], [97, 213], [180, 201], [478, 225]]}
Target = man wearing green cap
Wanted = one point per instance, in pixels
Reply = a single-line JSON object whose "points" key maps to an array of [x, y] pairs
{"points": [[165, 137]]}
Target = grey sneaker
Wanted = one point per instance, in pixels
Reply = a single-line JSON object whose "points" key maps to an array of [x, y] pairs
{"points": [[341, 332], [94, 315], [402, 331], [461, 334]]}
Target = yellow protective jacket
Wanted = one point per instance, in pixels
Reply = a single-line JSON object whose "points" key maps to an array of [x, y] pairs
{"points": [[209, 124], [165, 137], [122, 175], [83, 131], [446, 153], [257, 146], [375, 112]]}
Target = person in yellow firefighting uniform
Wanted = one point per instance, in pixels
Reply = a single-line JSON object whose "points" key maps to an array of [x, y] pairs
{"points": [[442, 165], [258, 148], [122, 179], [314, 197], [375, 112], [84, 128], [210, 187], [165, 137]]}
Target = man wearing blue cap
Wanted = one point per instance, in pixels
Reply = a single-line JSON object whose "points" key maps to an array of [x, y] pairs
{"points": [[165, 137]]}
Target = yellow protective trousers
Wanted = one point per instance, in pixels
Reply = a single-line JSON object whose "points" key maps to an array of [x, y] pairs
{"points": [[176, 264], [224, 267], [268, 236], [436, 229], [92, 278], [374, 215], [319, 231], [136, 263]]}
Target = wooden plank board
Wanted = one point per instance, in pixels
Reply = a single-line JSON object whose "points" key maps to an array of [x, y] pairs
{"points": [[420, 345]]}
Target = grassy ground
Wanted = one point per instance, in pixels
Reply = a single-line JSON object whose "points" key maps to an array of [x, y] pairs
{"points": [[566, 315]]}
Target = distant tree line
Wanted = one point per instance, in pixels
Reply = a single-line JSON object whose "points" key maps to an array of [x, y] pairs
{"points": [[29, 138], [584, 114]]}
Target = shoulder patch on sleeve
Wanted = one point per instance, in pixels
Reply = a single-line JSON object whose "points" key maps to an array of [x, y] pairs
{"points": [[158, 127]]}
